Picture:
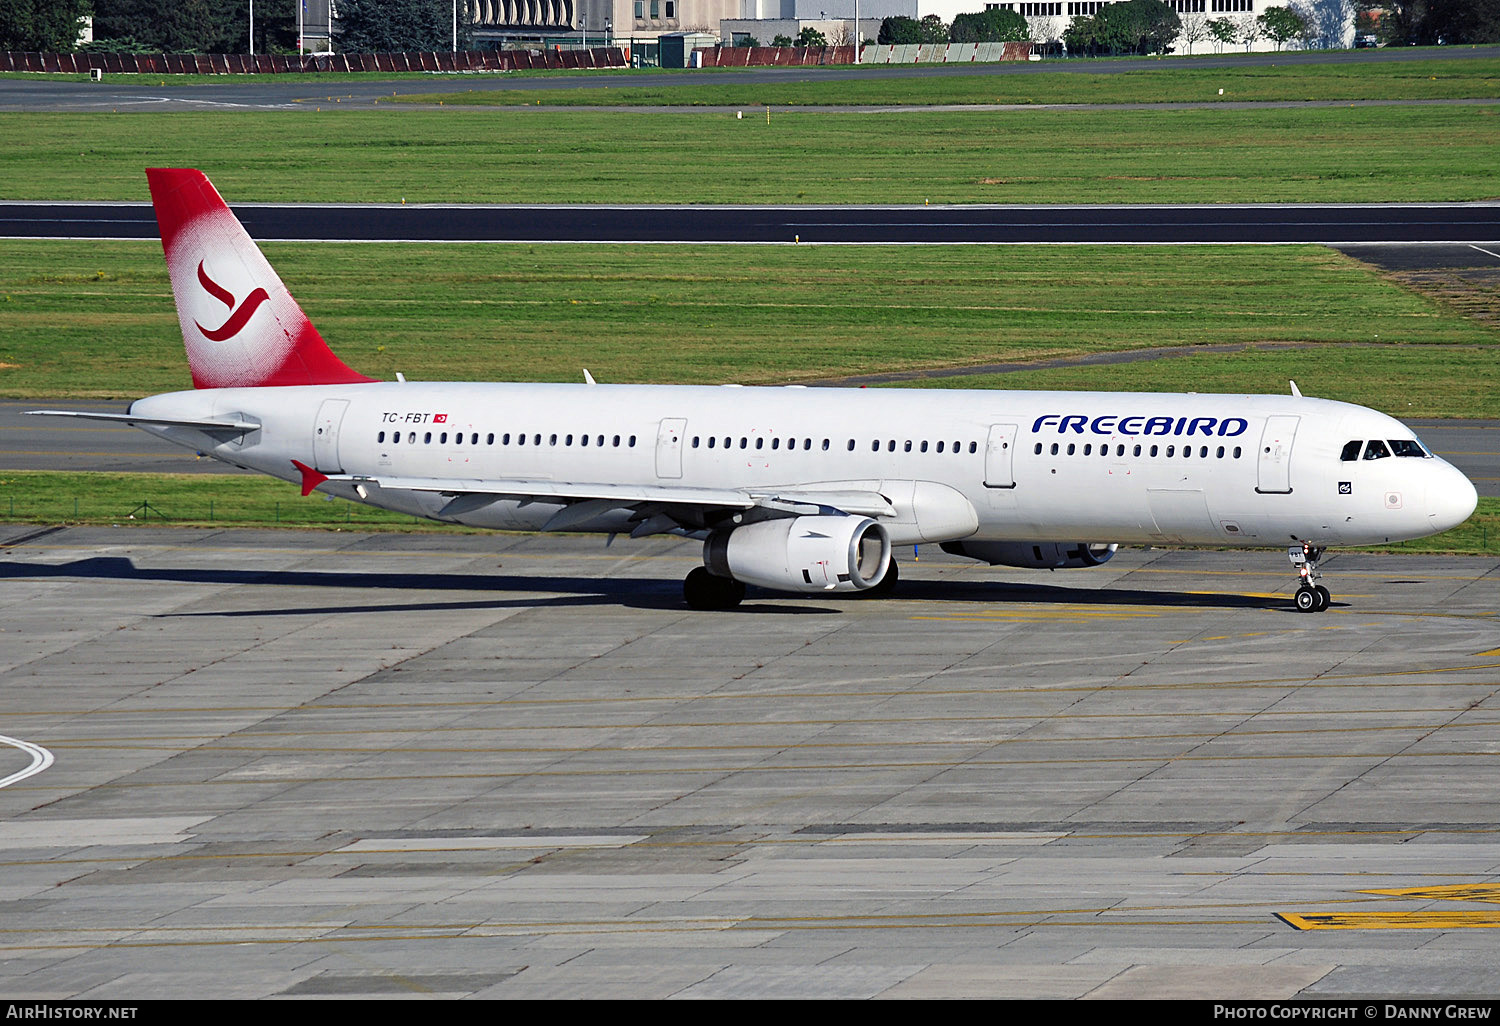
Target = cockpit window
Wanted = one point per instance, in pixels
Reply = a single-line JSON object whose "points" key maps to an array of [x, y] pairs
{"points": [[1407, 447], [1376, 450], [1351, 450]]}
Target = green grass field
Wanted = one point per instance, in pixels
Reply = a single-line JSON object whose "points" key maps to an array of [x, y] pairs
{"points": [[1323, 154], [1172, 83], [773, 314]]}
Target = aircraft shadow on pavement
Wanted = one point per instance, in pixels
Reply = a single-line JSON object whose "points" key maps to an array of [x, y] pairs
{"points": [[629, 592]]}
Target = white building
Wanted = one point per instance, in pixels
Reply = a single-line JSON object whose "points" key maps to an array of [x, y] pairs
{"points": [[1048, 18]]}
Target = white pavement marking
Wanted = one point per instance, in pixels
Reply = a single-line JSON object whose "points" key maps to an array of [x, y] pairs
{"points": [[40, 760]]}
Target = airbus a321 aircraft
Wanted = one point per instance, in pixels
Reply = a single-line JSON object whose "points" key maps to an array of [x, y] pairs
{"points": [[792, 489]]}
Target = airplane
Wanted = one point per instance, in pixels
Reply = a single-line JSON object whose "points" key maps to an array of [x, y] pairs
{"points": [[790, 488]]}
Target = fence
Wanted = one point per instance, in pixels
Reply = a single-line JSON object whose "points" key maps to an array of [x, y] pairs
{"points": [[277, 64]]}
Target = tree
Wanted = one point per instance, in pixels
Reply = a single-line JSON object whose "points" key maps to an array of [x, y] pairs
{"points": [[1134, 26], [990, 26], [1332, 21], [1247, 30], [187, 26], [373, 26], [1080, 35], [1223, 31], [899, 30], [1467, 21], [1194, 28], [810, 36], [933, 29], [782, 39], [1281, 24], [1425, 22], [46, 26]]}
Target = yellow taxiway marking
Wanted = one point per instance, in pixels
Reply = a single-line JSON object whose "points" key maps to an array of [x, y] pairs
{"points": [[1424, 919], [1392, 920], [1489, 892]]}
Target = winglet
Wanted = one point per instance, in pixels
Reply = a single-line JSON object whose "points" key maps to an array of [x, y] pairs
{"points": [[310, 477]]}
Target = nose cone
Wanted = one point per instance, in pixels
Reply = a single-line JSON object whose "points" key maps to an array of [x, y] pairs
{"points": [[1451, 499]]}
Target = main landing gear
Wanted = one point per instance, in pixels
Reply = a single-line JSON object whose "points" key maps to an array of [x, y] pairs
{"points": [[1311, 596], [703, 590]]}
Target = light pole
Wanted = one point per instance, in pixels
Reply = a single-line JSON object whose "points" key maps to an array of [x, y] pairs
{"points": [[252, 28]]}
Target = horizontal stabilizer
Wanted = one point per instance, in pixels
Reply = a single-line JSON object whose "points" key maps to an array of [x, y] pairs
{"points": [[238, 427]]}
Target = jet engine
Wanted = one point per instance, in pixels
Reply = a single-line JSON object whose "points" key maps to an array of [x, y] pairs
{"points": [[1035, 555], [804, 554]]}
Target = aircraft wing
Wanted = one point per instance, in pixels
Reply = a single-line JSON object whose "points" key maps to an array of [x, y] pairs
{"points": [[664, 507]]}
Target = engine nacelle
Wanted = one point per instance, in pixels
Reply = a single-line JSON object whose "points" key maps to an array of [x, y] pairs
{"points": [[806, 554], [1035, 555]]}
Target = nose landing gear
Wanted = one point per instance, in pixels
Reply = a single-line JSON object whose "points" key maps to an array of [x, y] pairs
{"points": [[1311, 596]]}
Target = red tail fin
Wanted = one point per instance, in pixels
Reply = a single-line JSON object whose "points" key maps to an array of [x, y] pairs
{"points": [[239, 323]]}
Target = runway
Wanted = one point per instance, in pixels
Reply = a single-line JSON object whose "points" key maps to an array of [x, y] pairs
{"points": [[512, 766], [1471, 228]]}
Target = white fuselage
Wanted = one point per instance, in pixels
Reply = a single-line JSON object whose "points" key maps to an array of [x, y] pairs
{"points": [[1250, 470]]}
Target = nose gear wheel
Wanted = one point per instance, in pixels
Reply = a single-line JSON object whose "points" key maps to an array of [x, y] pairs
{"points": [[1311, 597]]}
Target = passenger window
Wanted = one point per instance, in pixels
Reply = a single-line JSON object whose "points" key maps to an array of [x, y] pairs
{"points": [[1072, 448], [1407, 447], [1136, 451], [427, 438], [1376, 450], [1236, 452], [395, 438], [760, 442], [973, 446], [1351, 450], [380, 437], [1039, 448], [1054, 448]]}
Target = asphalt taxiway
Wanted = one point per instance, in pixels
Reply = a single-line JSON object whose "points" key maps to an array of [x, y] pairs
{"points": [[499, 765]]}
